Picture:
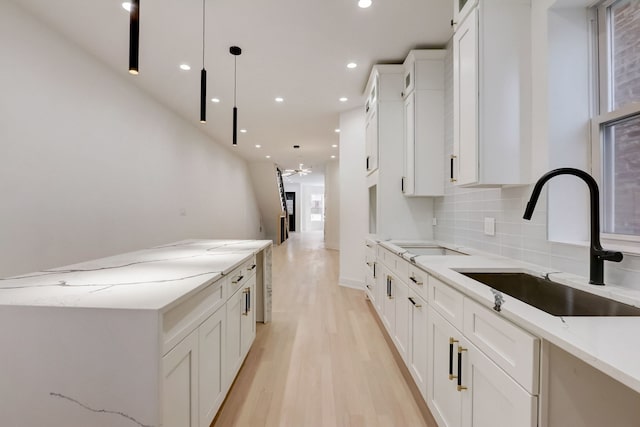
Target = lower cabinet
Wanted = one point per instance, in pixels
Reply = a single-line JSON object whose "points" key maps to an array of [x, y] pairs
{"points": [[401, 330], [248, 319], [180, 383], [198, 371], [241, 326], [211, 345], [418, 341], [443, 398], [465, 388]]}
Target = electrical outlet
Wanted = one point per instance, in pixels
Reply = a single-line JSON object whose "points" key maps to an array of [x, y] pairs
{"points": [[490, 226]]}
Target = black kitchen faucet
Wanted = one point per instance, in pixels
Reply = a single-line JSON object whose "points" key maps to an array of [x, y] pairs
{"points": [[597, 255]]}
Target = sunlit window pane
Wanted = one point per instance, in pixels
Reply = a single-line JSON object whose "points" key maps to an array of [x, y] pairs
{"points": [[621, 177], [625, 53]]}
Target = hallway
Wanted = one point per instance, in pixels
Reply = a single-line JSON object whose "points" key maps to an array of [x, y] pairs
{"points": [[323, 361]]}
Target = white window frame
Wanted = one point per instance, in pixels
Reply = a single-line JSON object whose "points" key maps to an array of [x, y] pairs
{"points": [[602, 116]]}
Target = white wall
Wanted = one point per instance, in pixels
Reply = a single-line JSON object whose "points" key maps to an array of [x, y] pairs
{"points": [[91, 166], [332, 205], [353, 198]]}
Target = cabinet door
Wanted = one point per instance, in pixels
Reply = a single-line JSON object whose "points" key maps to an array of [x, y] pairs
{"points": [[371, 140], [401, 331], [248, 323], [180, 384], [443, 398], [408, 178], [492, 398], [381, 273], [418, 342], [389, 305], [235, 308], [461, 9], [212, 384], [465, 101], [370, 281]]}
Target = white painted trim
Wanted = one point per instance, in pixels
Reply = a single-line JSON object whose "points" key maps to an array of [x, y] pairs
{"points": [[351, 283]]}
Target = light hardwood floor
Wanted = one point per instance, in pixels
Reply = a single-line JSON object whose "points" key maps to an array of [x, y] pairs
{"points": [[323, 360]]}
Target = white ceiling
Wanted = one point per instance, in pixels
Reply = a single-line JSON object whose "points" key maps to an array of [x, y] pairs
{"points": [[296, 49]]}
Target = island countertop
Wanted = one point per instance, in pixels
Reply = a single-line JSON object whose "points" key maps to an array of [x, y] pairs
{"points": [[157, 278]]}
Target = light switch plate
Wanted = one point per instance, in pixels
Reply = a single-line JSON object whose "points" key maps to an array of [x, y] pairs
{"points": [[434, 221], [490, 226]]}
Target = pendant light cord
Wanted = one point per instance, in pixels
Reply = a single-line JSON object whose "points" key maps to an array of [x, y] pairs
{"points": [[235, 78], [203, 27]]}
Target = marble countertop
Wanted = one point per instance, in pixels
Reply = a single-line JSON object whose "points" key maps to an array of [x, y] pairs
{"points": [[150, 279], [606, 343]]}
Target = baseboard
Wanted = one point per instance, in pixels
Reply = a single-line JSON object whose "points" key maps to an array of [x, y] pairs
{"points": [[350, 283]]}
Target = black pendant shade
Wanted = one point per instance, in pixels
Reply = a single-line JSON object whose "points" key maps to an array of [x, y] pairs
{"points": [[235, 51], [203, 96], [134, 36]]}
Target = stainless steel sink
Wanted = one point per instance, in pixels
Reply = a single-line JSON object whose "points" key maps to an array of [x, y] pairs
{"points": [[552, 297], [429, 250]]}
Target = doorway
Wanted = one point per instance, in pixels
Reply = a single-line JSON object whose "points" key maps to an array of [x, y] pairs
{"points": [[291, 209]]}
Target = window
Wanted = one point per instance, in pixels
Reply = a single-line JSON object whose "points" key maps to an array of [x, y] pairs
{"points": [[616, 127]]}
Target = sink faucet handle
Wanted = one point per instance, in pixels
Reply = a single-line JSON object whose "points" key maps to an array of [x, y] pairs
{"points": [[609, 255]]}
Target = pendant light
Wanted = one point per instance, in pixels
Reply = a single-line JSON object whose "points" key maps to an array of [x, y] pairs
{"points": [[235, 51], [134, 36], [203, 77]]}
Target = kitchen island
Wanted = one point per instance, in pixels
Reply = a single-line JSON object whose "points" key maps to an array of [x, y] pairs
{"points": [[148, 338]]}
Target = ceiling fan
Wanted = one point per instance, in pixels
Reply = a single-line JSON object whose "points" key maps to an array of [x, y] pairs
{"points": [[299, 171]]}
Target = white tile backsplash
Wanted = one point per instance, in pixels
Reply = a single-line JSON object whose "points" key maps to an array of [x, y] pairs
{"points": [[461, 212]]}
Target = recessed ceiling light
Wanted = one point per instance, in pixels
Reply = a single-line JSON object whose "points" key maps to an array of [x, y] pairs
{"points": [[216, 100], [364, 3], [352, 65], [268, 157], [126, 6], [335, 146], [337, 130], [279, 99], [243, 131], [185, 67], [258, 145], [343, 99], [333, 157]]}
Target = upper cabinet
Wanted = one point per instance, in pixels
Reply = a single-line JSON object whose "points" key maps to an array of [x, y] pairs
{"points": [[491, 93], [423, 95], [461, 9], [371, 134]]}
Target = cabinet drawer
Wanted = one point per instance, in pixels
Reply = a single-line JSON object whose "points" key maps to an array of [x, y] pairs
{"points": [[417, 280], [396, 264], [513, 349], [447, 301], [240, 275], [178, 322]]}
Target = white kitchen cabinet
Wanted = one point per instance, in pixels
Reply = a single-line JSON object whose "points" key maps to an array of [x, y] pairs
{"points": [[492, 398], [418, 341], [248, 321], [461, 9], [443, 398], [212, 382], [180, 384], [423, 147], [465, 388], [492, 94], [235, 310], [402, 309], [371, 139], [389, 304], [390, 212]]}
